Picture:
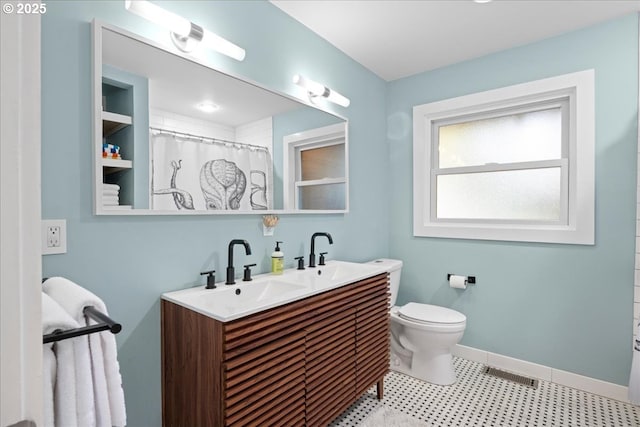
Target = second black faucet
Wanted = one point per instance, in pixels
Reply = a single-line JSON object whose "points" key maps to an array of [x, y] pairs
{"points": [[312, 255], [231, 272]]}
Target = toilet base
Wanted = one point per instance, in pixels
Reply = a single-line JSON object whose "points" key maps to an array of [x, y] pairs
{"points": [[434, 369]]}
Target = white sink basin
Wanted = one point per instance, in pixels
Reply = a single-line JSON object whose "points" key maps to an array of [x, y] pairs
{"points": [[337, 271], [333, 274], [266, 291]]}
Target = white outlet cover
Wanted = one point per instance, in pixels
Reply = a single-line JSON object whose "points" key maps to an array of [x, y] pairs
{"points": [[62, 225]]}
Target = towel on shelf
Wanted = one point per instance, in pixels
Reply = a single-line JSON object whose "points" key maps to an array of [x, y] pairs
{"points": [[104, 373], [59, 367], [106, 186], [110, 193], [110, 200]]}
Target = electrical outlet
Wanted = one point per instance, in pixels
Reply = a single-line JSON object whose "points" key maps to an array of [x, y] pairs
{"points": [[54, 236]]}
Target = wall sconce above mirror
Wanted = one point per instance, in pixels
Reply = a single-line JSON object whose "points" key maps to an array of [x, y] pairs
{"points": [[172, 136], [315, 89], [185, 34]]}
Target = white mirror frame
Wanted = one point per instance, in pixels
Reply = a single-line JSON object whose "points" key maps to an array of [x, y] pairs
{"points": [[96, 102]]}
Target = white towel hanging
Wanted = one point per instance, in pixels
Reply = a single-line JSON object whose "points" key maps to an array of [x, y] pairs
{"points": [[104, 402], [59, 368]]}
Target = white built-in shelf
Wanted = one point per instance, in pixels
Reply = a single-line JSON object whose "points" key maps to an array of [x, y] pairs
{"points": [[116, 208], [115, 165], [113, 122]]}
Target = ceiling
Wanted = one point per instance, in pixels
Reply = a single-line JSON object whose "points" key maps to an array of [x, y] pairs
{"points": [[399, 38]]}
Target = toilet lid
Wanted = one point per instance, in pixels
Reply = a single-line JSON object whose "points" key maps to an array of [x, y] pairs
{"points": [[430, 313]]}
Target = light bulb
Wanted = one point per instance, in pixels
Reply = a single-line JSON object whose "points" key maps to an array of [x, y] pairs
{"points": [[317, 89], [147, 10], [184, 33]]}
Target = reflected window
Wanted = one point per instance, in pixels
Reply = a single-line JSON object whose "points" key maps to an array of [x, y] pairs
{"points": [[316, 166]]}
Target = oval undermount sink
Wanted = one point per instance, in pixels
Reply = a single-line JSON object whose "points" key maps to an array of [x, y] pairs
{"points": [[266, 291]]}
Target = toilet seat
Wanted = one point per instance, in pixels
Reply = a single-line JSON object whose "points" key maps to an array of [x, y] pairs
{"points": [[428, 314]]}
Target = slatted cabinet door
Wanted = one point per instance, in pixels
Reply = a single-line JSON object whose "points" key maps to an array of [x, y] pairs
{"points": [[330, 368], [372, 340], [266, 385]]}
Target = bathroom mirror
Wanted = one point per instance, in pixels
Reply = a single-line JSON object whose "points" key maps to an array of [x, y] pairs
{"points": [[175, 136]]}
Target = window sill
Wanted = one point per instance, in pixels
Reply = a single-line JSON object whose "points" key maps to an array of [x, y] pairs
{"points": [[520, 233]]}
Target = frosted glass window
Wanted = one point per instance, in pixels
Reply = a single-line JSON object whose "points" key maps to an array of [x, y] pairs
{"points": [[522, 137], [508, 165], [531, 195], [513, 163], [322, 162], [327, 196]]}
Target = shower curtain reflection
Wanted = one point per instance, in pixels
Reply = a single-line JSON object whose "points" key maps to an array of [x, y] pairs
{"points": [[197, 173]]}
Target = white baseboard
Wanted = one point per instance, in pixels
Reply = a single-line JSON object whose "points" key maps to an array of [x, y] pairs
{"points": [[545, 373]]}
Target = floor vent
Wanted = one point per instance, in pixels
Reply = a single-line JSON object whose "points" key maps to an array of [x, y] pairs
{"points": [[520, 379]]}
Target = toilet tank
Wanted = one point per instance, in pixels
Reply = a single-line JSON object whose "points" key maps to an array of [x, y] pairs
{"points": [[394, 268]]}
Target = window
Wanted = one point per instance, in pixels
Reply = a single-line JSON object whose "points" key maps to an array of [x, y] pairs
{"points": [[315, 172], [515, 163]]}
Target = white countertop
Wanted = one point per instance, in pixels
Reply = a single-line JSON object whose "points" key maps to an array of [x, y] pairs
{"points": [[265, 291]]}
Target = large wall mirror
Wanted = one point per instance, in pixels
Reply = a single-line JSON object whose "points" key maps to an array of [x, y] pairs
{"points": [[174, 136]]}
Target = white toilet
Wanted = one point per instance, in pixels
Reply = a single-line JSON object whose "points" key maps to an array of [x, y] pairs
{"points": [[422, 335]]}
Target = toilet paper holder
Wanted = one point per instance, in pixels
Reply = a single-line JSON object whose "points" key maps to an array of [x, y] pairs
{"points": [[471, 280]]}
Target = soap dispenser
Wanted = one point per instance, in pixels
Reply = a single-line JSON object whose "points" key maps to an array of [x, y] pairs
{"points": [[277, 260]]}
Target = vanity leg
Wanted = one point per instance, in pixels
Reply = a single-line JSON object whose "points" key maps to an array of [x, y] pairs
{"points": [[380, 389]]}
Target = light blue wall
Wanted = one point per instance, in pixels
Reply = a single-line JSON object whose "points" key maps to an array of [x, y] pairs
{"points": [[569, 307], [564, 306], [131, 261]]}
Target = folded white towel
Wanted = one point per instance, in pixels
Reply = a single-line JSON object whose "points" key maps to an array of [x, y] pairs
{"points": [[110, 186], [110, 200], [59, 367], [105, 380], [110, 193]]}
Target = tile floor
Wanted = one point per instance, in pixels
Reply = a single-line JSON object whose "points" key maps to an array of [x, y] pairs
{"points": [[478, 399]]}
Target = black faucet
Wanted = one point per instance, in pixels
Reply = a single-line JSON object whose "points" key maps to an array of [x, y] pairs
{"points": [[231, 272], [312, 255]]}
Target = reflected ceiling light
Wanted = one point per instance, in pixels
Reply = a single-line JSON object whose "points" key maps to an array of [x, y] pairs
{"points": [[184, 33], [207, 107], [315, 89]]}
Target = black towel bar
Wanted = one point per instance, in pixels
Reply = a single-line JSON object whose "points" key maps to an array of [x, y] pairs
{"points": [[105, 323]]}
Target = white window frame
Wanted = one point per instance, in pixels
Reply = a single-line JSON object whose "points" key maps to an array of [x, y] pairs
{"points": [[576, 225], [311, 139]]}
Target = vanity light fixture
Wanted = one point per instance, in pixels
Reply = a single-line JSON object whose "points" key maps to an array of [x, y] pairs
{"points": [[184, 33], [315, 89]]}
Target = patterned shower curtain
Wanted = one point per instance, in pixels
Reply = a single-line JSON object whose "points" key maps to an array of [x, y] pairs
{"points": [[190, 173]]}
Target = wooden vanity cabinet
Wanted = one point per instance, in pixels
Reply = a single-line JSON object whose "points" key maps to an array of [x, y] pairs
{"points": [[299, 364]]}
